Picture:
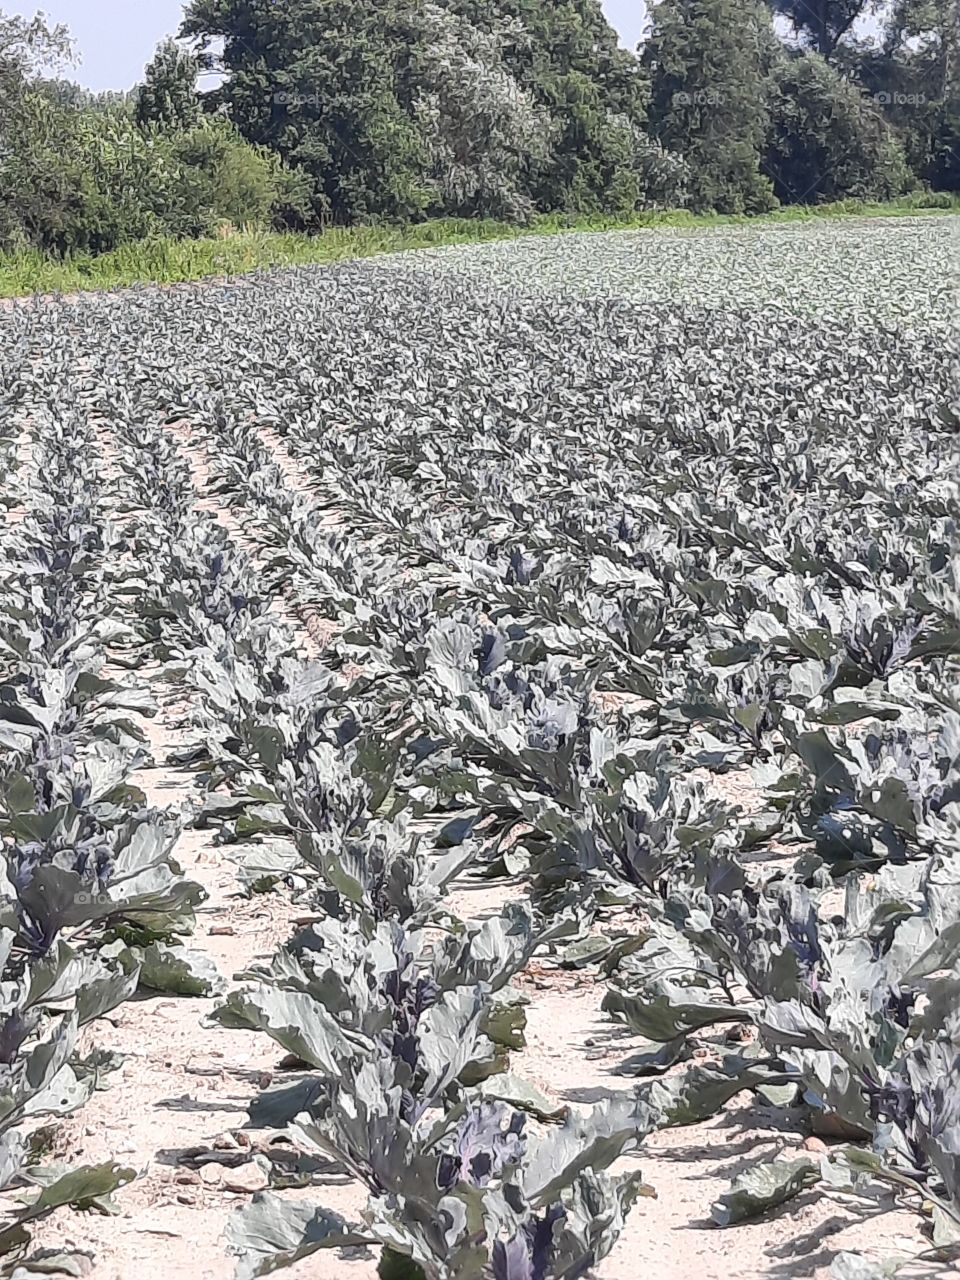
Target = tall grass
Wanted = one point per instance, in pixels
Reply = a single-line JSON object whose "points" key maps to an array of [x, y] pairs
{"points": [[167, 261]]}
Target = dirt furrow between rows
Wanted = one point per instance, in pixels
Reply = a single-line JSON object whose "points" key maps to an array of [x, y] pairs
{"points": [[573, 1053], [310, 629]]}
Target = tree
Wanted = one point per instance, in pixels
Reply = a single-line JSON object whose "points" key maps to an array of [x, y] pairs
{"points": [[77, 172], [914, 77], [827, 141], [708, 61], [66, 93], [927, 53], [663, 177], [556, 38], [351, 92], [822, 23], [330, 88], [486, 138], [26, 46], [566, 54], [168, 95]]}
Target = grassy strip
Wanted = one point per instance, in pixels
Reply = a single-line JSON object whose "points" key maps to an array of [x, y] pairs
{"points": [[168, 261]]}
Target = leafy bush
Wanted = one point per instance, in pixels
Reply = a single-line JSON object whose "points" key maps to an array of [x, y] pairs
{"points": [[89, 179], [663, 177], [216, 177], [826, 140]]}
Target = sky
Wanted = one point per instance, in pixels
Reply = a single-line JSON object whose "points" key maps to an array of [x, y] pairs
{"points": [[116, 38]]}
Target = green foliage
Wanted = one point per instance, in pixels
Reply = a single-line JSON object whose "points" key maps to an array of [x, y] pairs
{"points": [[73, 180], [86, 173], [329, 88], [485, 108], [486, 137], [65, 93], [169, 261], [944, 171], [914, 78], [217, 176], [25, 46], [708, 61], [556, 39], [663, 177], [90, 180], [593, 161], [118, 180], [567, 54], [827, 141], [168, 95]]}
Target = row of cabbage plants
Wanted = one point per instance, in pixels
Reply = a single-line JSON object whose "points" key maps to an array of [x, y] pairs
{"points": [[91, 897]]}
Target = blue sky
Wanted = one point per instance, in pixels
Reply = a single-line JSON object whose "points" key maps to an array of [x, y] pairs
{"points": [[116, 38]]}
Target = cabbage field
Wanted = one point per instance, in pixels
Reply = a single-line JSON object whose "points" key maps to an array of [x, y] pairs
{"points": [[480, 765]]}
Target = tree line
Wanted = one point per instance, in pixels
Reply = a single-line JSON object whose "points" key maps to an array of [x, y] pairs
{"points": [[341, 111]]}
